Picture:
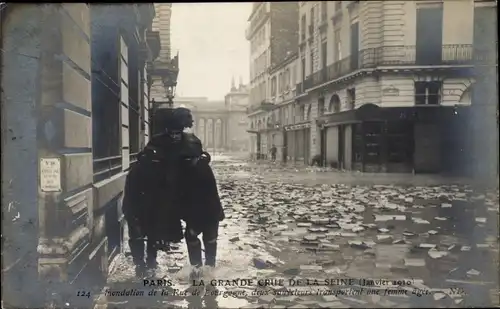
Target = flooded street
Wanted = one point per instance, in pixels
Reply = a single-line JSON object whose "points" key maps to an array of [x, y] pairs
{"points": [[303, 229]]}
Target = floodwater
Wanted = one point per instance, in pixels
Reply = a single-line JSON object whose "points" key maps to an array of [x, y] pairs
{"points": [[295, 232]]}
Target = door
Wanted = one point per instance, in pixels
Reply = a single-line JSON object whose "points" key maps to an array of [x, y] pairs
{"points": [[429, 36], [322, 141], [355, 46], [285, 146], [341, 146], [258, 146]]}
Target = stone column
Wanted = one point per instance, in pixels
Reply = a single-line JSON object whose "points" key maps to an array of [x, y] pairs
{"points": [[47, 149]]}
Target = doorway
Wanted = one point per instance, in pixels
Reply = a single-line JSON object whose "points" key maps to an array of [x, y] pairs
{"points": [[285, 147], [322, 137], [341, 147]]}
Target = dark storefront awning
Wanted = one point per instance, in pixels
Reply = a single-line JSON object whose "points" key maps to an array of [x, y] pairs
{"points": [[372, 112]]}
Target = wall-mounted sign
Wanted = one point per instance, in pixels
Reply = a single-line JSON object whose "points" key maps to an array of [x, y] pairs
{"points": [[50, 174], [390, 91]]}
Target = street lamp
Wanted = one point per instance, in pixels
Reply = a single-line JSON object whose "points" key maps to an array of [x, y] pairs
{"points": [[169, 84]]}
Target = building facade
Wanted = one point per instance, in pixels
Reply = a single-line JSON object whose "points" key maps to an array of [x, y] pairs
{"points": [[220, 125], [384, 86], [236, 103], [272, 32], [73, 96], [161, 25]]}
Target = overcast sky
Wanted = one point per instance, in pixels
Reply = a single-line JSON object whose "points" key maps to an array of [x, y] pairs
{"points": [[210, 38]]}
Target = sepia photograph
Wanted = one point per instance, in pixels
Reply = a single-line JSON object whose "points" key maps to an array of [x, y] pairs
{"points": [[310, 154]]}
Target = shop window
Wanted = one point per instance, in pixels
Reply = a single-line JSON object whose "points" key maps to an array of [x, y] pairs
{"points": [[357, 145], [372, 138], [399, 141]]}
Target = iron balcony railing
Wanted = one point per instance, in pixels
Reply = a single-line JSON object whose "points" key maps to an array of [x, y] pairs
{"points": [[396, 56]]}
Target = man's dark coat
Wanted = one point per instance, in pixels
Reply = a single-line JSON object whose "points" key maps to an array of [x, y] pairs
{"points": [[163, 187]]}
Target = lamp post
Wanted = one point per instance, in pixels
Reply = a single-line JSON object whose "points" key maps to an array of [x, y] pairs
{"points": [[169, 85], [168, 71]]}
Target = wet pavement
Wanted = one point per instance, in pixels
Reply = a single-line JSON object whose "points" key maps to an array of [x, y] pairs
{"points": [[402, 240]]}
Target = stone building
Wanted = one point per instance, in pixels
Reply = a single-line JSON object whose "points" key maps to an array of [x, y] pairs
{"points": [[74, 108], [236, 103], [388, 83], [276, 123], [384, 85], [272, 34], [161, 24], [221, 125]]}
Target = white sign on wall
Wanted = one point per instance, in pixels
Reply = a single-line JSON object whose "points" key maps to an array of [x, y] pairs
{"points": [[50, 174]]}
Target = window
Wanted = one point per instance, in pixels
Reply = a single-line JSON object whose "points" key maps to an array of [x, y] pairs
{"points": [[354, 46], [351, 98], [106, 105], [373, 140], [399, 141], [338, 45], [428, 93], [308, 116], [324, 10], [303, 67], [338, 6], [321, 106], [357, 151], [281, 83], [334, 105], [312, 62], [134, 107], [303, 27], [429, 34], [324, 54], [287, 79], [311, 24]]}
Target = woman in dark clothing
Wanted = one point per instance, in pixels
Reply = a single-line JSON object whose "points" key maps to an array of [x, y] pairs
{"points": [[201, 210]]}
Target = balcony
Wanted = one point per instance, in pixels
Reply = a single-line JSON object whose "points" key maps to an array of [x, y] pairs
{"points": [[396, 56]]}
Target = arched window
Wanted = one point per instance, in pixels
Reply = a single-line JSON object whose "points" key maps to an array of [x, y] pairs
{"points": [[334, 106]]}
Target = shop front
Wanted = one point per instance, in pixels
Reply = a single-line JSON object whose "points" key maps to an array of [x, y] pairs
{"points": [[255, 146], [298, 138], [406, 139]]}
